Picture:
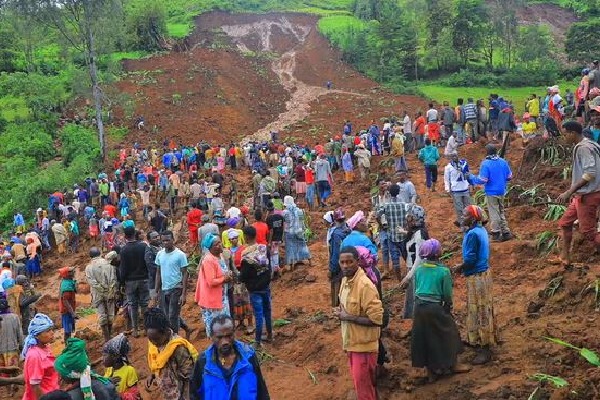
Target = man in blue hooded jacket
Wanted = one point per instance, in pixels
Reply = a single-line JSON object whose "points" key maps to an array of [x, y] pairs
{"points": [[228, 369]]}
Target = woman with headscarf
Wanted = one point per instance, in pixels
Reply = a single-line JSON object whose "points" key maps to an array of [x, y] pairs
{"points": [[232, 225], [38, 371], [482, 332], [73, 366], [212, 284], [239, 299], [435, 341], [11, 336], [358, 237], [368, 262], [296, 249], [118, 369], [417, 234]]}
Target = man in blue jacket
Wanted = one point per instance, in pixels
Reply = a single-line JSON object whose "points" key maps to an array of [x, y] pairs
{"points": [[494, 174], [228, 369]]}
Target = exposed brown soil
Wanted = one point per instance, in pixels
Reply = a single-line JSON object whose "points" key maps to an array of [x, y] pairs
{"points": [[311, 344]]}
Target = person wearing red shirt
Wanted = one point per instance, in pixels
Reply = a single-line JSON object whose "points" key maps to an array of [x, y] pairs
{"points": [[194, 220], [319, 149], [419, 129], [300, 180], [262, 229]]}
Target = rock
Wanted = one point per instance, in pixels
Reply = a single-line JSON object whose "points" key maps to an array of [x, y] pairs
{"points": [[332, 369], [310, 278], [534, 307]]}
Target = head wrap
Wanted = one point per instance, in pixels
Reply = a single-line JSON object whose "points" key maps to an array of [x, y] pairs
{"points": [[232, 222], [328, 217], [338, 214], [64, 272], [476, 212], [418, 213], [366, 260], [233, 234], [205, 218], [288, 202], [74, 363], [8, 283], [40, 323], [118, 346], [209, 240], [355, 219], [431, 248], [21, 279]]}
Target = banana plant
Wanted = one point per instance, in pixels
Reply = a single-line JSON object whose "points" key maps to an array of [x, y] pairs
{"points": [[555, 211], [589, 355]]}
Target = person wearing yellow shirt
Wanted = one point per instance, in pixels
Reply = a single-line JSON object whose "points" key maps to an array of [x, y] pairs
{"points": [[529, 128], [533, 108], [118, 370]]}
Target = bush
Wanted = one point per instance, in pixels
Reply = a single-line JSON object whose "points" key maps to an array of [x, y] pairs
{"points": [[27, 140], [78, 140], [542, 73], [147, 23]]}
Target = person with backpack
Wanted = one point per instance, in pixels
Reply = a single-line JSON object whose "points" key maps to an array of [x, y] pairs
{"points": [[584, 193]]}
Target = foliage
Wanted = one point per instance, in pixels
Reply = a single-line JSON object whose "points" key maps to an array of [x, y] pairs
{"points": [[555, 211], [546, 242], [39, 144], [557, 381], [77, 141], [146, 22], [581, 37], [589, 355]]}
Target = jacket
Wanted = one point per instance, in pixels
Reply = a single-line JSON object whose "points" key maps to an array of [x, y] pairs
{"points": [[335, 245], [455, 180], [429, 155], [506, 122], [245, 382], [476, 251], [359, 297]]}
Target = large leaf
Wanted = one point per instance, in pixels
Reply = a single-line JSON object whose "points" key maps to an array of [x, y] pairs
{"points": [[557, 381], [281, 322], [561, 342], [590, 356]]}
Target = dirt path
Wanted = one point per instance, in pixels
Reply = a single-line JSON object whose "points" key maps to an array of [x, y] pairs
{"points": [[284, 66]]}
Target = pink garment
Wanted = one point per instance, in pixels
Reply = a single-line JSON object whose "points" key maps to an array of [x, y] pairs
{"points": [[220, 163], [209, 286], [39, 369], [363, 370]]}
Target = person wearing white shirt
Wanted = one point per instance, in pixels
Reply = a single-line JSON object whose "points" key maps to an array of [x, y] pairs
{"points": [[432, 114], [457, 185], [233, 212], [407, 128], [452, 146]]}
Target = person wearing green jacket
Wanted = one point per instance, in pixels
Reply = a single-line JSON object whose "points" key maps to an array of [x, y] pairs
{"points": [[429, 156]]}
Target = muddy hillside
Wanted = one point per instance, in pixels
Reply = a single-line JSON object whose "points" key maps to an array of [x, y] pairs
{"points": [[241, 76]]}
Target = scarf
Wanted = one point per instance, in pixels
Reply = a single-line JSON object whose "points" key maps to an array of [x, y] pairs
{"points": [[40, 323], [493, 157], [73, 363], [158, 359], [67, 285]]}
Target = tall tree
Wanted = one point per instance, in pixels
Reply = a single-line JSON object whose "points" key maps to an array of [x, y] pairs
{"points": [[469, 17], [438, 17]]}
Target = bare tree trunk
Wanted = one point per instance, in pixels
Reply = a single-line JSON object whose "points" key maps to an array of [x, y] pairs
{"points": [[93, 69]]}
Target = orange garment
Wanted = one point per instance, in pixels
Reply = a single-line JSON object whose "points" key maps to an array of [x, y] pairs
{"points": [[110, 210], [194, 219], [433, 129], [420, 125]]}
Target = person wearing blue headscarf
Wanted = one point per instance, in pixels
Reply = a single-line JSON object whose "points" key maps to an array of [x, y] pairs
{"points": [[38, 371]]}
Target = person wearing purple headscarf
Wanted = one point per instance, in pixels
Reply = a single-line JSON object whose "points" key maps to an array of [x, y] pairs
{"points": [[435, 341], [232, 225]]}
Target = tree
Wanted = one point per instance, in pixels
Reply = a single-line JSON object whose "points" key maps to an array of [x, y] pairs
{"points": [[367, 9], [469, 16], [146, 22], [504, 21], [538, 34], [439, 20], [583, 40]]}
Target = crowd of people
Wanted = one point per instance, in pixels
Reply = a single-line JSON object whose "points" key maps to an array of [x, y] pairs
{"points": [[238, 243]]}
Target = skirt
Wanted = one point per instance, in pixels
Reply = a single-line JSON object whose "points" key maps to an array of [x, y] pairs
{"points": [[409, 300], [208, 314], [296, 249], [435, 341], [241, 301], [300, 187], [33, 266], [481, 324]]}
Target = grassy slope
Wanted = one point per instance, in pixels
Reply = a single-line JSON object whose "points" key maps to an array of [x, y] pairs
{"points": [[517, 94]]}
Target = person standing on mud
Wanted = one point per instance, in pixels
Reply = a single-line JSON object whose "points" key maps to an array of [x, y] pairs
{"points": [[338, 234], [584, 193], [494, 174], [361, 316], [102, 278], [482, 332], [133, 273]]}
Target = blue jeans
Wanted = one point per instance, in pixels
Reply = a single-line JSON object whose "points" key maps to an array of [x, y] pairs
{"points": [[261, 304], [431, 175], [400, 164], [310, 194], [397, 250], [384, 240], [169, 303], [460, 134]]}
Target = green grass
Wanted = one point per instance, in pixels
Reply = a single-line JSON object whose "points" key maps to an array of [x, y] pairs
{"points": [[518, 95], [128, 55], [179, 30], [12, 108]]}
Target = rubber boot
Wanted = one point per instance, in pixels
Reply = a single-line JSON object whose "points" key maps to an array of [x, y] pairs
{"points": [[484, 356], [135, 321]]}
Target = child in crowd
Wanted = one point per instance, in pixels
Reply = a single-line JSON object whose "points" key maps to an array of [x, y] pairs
{"points": [[118, 368]]}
